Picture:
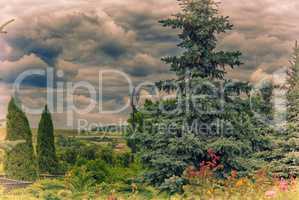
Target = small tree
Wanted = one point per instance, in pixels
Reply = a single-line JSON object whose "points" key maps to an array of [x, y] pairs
{"points": [[46, 153], [19, 163]]}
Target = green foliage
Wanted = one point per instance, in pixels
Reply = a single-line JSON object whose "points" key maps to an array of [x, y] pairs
{"points": [[51, 197], [173, 185], [124, 159], [19, 163], [63, 141], [45, 148], [98, 169], [80, 179], [107, 155], [70, 150], [286, 159], [89, 152], [208, 111], [126, 174]]}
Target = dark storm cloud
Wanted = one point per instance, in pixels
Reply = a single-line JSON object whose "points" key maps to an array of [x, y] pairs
{"points": [[78, 37], [143, 65], [145, 25], [83, 37], [11, 70], [42, 48], [114, 36]]}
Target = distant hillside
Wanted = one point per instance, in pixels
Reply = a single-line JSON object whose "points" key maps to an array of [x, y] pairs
{"points": [[110, 128]]}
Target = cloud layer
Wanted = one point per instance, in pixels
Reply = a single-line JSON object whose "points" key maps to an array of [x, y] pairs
{"points": [[79, 38]]}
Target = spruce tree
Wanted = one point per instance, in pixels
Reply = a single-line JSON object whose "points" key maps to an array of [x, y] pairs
{"points": [[287, 159], [19, 163], [45, 148], [208, 112]]}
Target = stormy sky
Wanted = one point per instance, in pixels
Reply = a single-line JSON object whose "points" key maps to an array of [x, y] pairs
{"points": [[79, 38]]}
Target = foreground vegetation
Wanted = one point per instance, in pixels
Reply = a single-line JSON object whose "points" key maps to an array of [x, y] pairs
{"points": [[247, 159], [201, 188]]}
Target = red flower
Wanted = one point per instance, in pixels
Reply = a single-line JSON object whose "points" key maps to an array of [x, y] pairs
{"points": [[234, 173], [283, 185]]}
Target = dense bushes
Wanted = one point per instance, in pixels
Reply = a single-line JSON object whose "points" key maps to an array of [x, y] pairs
{"points": [[71, 152], [87, 174]]}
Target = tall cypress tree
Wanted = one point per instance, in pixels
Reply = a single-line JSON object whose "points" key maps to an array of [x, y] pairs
{"points": [[19, 163], [46, 153], [209, 111]]}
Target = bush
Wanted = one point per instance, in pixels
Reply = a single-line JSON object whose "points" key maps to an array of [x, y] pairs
{"points": [[98, 169], [107, 155], [124, 159], [79, 179], [88, 152], [70, 150], [68, 155], [127, 175]]}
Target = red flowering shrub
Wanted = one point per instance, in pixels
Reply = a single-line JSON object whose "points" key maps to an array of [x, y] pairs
{"points": [[206, 168]]}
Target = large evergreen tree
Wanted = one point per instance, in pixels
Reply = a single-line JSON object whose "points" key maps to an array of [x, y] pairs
{"points": [[287, 159], [209, 111], [45, 148], [19, 163]]}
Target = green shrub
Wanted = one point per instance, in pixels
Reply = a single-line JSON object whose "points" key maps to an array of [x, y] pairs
{"points": [[99, 170], [107, 155], [127, 174], [79, 179], [124, 159], [68, 155], [89, 152], [69, 150]]}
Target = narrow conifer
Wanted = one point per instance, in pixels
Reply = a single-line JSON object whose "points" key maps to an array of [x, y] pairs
{"points": [[19, 163], [46, 153]]}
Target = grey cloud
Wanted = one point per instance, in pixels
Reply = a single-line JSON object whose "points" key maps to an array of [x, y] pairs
{"points": [[11, 70], [82, 38], [264, 31]]}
